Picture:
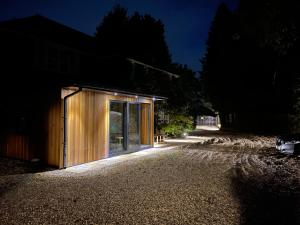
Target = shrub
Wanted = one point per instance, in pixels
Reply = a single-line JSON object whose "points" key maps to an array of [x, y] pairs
{"points": [[178, 125]]}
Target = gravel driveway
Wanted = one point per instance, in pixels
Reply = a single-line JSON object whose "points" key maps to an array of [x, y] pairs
{"points": [[223, 181]]}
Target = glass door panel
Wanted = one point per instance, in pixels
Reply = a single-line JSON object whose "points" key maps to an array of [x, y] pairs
{"points": [[116, 128], [134, 127]]}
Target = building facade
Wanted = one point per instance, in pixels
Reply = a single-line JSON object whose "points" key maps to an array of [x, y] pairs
{"points": [[48, 110]]}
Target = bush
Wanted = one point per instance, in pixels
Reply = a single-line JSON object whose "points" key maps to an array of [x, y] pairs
{"points": [[178, 125]]}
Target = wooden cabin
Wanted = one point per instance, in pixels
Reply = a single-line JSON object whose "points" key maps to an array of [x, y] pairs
{"points": [[44, 115], [85, 124]]}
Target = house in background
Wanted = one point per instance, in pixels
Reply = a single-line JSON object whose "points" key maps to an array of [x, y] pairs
{"points": [[208, 119], [208, 122], [52, 108]]}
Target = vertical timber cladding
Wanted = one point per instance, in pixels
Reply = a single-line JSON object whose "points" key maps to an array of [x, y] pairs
{"points": [[42, 134], [88, 125], [152, 124], [145, 124], [54, 130], [16, 146]]}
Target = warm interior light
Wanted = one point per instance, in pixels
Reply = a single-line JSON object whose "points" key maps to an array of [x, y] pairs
{"points": [[115, 94]]}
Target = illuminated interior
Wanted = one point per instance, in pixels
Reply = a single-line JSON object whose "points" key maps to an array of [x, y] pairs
{"points": [[129, 127]]}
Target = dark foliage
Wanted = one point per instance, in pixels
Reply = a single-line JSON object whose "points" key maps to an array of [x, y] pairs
{"points": [[250, 68], [141, 37], [138, 36], [186, 95]]}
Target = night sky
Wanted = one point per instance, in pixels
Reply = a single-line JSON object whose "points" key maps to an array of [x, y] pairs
{"points": [[186, 22]]}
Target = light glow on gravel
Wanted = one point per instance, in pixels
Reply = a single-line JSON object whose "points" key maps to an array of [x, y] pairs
{"points": [[207, 128], [98, 166], [187, 139]]}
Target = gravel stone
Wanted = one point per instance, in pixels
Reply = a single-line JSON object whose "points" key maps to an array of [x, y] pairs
{"points": [[231, 180]]}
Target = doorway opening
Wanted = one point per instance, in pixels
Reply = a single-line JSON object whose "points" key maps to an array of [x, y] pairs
{"points": [[129, 127]]}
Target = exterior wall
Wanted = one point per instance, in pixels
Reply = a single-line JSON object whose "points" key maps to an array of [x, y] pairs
{"points": [[52, 61], [145, 129], [87, 128], [15, 146], [152, 124], [35, 131], [88, 125], [54, 126]]}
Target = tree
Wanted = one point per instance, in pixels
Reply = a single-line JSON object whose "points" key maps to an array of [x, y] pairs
{"points": [[271, 23], [274, 26], [185, 96], [217, 64], [142, 38], [112, 33], [147, 41], [251, 61], [138, 36]]}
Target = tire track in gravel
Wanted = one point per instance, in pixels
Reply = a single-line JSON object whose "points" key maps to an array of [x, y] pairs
{"points": [[261, 161]]}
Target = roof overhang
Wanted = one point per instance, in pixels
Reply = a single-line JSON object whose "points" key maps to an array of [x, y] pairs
{"points": [[113, 91]]}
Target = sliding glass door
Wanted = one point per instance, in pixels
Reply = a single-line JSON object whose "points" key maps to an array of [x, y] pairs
{"points": [[129, 127]]}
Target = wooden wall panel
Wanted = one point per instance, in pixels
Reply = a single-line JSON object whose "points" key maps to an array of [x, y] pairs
{"points": [[87, 128], [145, 124], [54, 134], [88, 125], [152, 124], [16, 146], [42, 134]]}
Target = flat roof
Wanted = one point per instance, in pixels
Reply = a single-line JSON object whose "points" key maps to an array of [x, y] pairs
{"points": [[118, 91]]}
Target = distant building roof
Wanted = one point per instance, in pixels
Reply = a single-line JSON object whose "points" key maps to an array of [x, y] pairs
{"points": [[171, 75], [43, 27]]}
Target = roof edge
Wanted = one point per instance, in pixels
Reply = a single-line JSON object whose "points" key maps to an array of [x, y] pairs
{"points": [[119, 92]]}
